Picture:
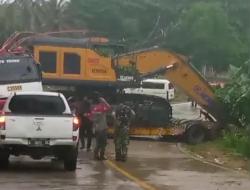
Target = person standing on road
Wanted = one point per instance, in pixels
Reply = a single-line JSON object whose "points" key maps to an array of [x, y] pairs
{"points": [[86, 128], [98, 114], [71, 100], [123, 116], [193, 103], [76, 106]]}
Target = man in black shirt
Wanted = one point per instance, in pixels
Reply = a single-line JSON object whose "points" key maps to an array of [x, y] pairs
{"points": [[86, 128]]}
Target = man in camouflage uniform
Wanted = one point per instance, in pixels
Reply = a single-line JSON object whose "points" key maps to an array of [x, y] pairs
{"points": [[123, 117]]}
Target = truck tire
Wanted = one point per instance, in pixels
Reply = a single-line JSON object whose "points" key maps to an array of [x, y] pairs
{"points": [[70, 160], [213, 133], [4, 160], [195, 134]]}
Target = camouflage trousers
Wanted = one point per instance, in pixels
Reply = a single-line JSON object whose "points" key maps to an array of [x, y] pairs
{"points": [[121, 141]]}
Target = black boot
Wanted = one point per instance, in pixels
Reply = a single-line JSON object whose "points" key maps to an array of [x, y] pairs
{"points": [[117, 155], [123, 158], [102, 155], [96, 155]]}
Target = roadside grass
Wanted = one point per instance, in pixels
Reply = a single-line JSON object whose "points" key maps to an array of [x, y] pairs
{"points": [[231, 151], [207, 145], [237, 141]]}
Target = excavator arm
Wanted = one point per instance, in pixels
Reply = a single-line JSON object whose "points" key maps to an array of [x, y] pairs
{"points": [[177, 69]]}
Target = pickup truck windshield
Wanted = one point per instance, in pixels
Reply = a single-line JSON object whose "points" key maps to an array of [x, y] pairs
{"points": [[37, 104], [18, 70]]}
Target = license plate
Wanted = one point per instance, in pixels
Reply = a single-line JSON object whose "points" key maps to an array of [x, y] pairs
{"points": [[39, 142]]}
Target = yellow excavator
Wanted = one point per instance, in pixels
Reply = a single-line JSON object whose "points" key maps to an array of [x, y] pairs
{"points": [[178, 69], [92, 61]]}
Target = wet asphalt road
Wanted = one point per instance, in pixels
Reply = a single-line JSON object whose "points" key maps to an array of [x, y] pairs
{"points": [[26, 174], [151, 165], [185, 111]]}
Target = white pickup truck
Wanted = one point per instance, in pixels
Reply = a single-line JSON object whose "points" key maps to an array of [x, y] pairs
{"points": [[38, 124]]}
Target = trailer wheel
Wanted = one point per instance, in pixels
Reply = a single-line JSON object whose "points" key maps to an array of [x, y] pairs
{"points": [[213, 133], [195, 134]]}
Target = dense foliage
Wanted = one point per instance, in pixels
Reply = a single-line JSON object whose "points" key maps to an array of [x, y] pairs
{"points": [[213, 33], [236, 95], [238, 141]]}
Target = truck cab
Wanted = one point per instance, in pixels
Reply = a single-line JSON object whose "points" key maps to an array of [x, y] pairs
{"points": [[19, 73]]}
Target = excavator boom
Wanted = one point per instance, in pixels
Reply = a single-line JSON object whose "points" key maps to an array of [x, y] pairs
{"points": [[177, 69]]}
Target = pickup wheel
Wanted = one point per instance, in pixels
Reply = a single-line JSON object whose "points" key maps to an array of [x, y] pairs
{"points": [[4, 159], [195, 134], [70, 160]]}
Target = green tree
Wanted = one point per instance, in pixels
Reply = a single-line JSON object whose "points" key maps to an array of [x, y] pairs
{"points": [[214, 33], [100, 16], [9, 20], [204, 32], [42, 15], [130, 21], [236, 95]]}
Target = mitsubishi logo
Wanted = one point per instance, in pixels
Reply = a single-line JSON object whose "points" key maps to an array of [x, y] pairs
{"points": [[38, 125], [39, 128]]}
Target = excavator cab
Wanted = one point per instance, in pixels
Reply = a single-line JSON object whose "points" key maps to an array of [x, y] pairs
{"points": [[109, 50]]}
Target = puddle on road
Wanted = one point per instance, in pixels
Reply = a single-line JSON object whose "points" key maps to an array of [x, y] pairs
{"points": [[185, 111], [25, 173]]}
